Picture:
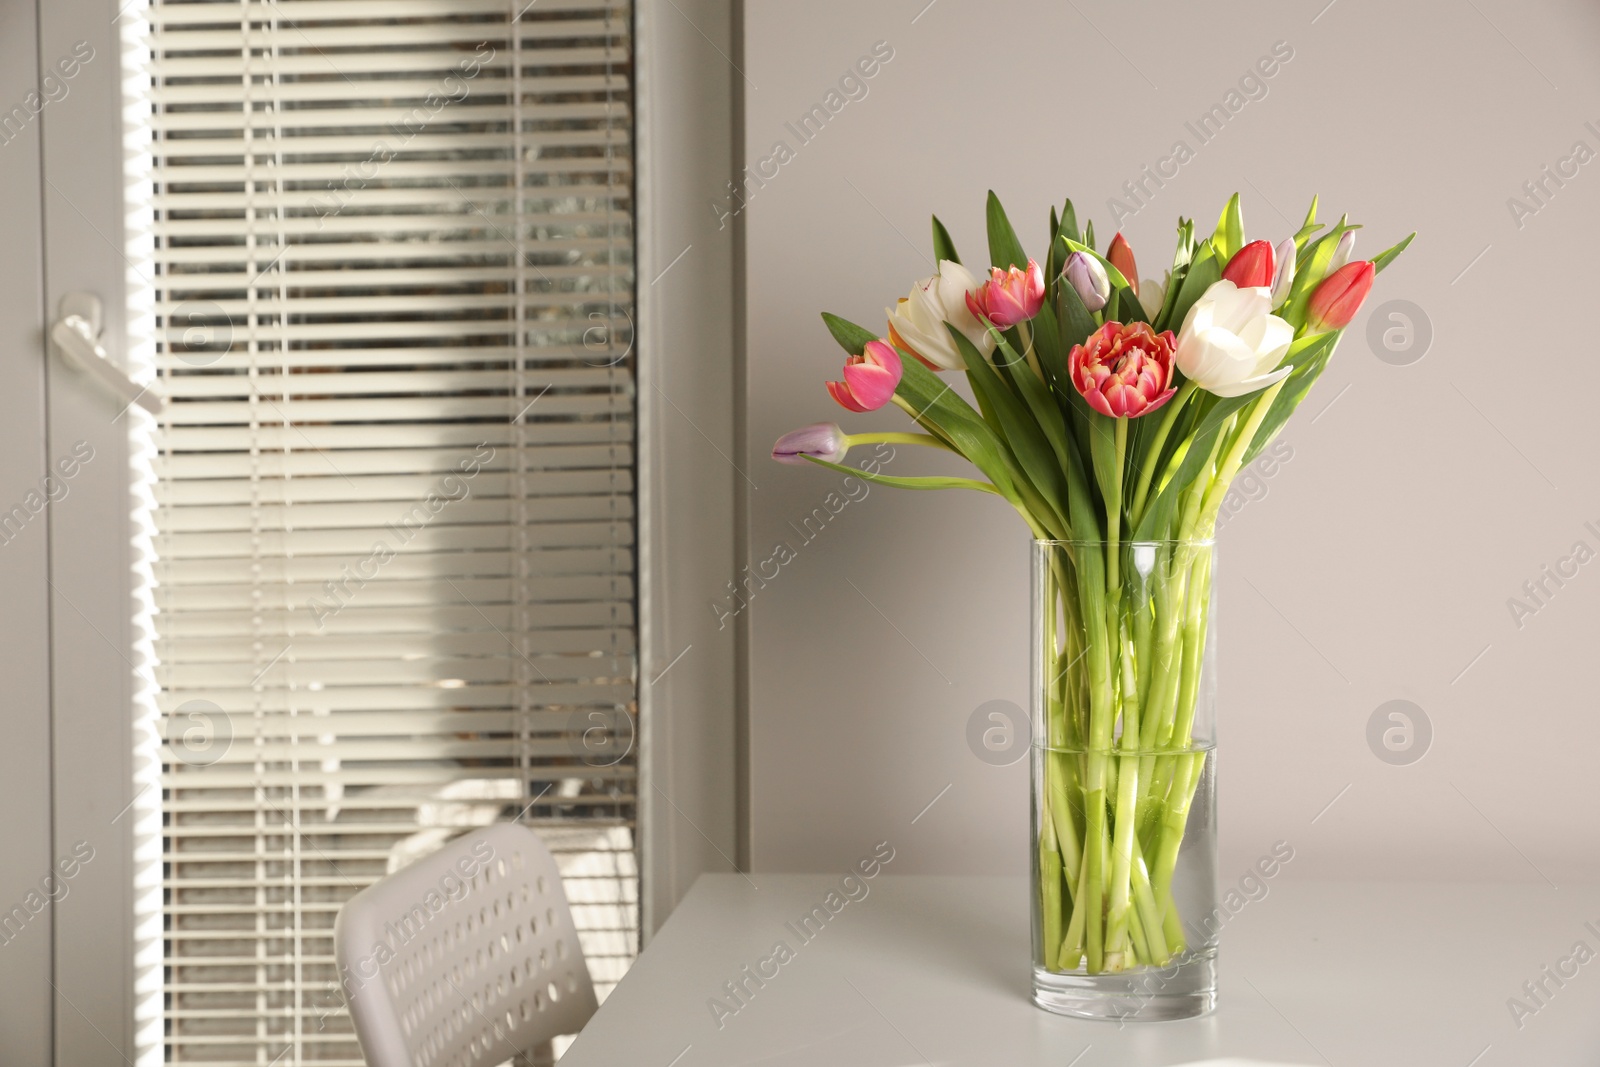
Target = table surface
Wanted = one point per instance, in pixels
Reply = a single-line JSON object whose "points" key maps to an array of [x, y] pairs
{"points": [[935, 970]]}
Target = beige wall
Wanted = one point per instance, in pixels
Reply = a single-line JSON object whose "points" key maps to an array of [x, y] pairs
{"points": [[1379, 562]]}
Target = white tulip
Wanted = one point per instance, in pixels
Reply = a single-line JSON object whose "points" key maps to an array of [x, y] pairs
{"points": [[1153, 294], [1231, 341], [1343, 251], [1284, 282], [918, 320]]}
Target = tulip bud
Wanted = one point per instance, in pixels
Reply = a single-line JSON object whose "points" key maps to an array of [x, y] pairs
{"points": [[1342, 250], [822, 440], [1088, 279], [1252, 266], [1121, 256], [1337, 299], [1285, 279], [869, 379], [1152, 295]]}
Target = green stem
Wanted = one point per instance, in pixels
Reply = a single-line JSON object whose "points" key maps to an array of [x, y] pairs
{"points": [[1137, 942], [926, 439], [1194, 643], [1153, 455], [1061, 815], [1190, 769], [1093, 900], [1235, 455], [1150, 913], [1122, 846], [1025, 334], [1114, 516], [917, 416], [1071, 953], [1049, 889]]}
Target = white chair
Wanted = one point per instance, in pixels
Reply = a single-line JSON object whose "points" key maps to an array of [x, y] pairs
{"points": [[466, 958]]}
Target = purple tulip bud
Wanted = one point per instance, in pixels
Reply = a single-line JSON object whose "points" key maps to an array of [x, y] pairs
{"points": [[1342, 251], [1088, 279], [1285, 279], [822, 440]]}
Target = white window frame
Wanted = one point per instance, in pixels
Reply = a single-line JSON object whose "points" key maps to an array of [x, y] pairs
{"points": [[70, 640]]}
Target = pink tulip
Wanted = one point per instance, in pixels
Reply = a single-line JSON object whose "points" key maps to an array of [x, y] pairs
{"points": [[1009, 296], [823, 440], [1338, 297], [1123, 371], [1251, 267], [869, 379]]}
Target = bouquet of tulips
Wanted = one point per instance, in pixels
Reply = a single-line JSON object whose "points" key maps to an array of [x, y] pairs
{"points": [[1112, 413]]}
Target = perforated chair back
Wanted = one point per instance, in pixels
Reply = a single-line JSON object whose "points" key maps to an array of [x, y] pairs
{"points": [[464, 958]]}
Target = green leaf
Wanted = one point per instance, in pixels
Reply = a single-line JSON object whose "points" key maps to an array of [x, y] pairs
{"points": [[1036, 394], [1111, 312], [1050, 267], [1084, 521], [1308, 348], [1202, 274], [1103, 453], [1069, 223], [1075, 324], [852, 338], [1004, 249], [1326, 243], [1169, 300], [941, 410], [1229, 237], [1047, 346], [1170, 482], [1128, 307], [908, 483], [1387, 256], [1311, 266], [1020, 431], [1309, 361], [1188, 418], [1183, 254], [1309, 227], [943, 247], [1062, 228], [1142, 432]]}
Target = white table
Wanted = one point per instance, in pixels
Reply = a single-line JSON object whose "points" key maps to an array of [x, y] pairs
{"points": [[934, 970]]}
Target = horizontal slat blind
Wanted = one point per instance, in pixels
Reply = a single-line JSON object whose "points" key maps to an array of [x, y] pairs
{"points": [[390, 500]]}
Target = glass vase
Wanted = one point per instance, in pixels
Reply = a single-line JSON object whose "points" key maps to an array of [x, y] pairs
{"points": [[1124, 779]]}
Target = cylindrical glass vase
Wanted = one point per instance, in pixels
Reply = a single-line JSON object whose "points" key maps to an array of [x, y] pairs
{"points": [[1124, 779]]}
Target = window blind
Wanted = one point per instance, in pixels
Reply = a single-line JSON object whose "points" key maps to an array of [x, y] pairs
{"points": [[386, 248]]}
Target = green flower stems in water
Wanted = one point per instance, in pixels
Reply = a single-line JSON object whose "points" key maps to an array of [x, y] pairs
{"points": [[1115, 901], [1126, 645]]}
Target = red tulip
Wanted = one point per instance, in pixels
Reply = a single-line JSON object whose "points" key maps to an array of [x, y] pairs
{"points": [[1121, 256], [1124, 371], [1009, 296], [869, 379], [1338, 297], [1252, 266]]}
